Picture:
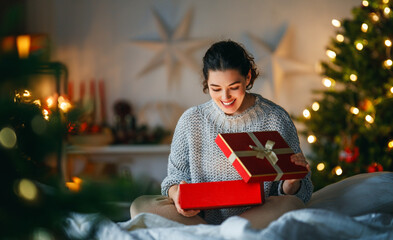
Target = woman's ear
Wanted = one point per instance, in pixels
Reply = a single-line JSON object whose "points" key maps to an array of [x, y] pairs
{"points": [[248, 77]]}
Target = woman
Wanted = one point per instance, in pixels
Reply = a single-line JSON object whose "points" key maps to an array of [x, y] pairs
{"points": [[229, 71]]}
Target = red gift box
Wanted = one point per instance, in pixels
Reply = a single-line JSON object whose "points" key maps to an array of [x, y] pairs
{"points": [[224, 194], [260, 156]]}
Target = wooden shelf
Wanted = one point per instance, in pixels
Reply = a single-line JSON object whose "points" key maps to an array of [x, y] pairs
{"points": [[119, 150]]}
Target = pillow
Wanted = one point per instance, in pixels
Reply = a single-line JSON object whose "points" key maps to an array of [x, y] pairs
{"points": [[357, 195]]}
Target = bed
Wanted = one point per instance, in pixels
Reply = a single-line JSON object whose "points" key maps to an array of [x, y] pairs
{"points": [[359, 207]]}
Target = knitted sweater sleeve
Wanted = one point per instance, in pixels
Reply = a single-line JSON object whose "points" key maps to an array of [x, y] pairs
{"points": [[178, 164], [281, 122]]}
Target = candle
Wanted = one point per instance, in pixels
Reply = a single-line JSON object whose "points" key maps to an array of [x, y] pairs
{"points": [[101, 89], [70, 91]]}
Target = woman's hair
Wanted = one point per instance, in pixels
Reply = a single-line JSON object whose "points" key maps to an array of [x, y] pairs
{"points": [[226, 55]]}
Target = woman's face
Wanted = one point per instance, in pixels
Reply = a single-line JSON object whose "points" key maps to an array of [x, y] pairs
{"points": [[228, 90]]}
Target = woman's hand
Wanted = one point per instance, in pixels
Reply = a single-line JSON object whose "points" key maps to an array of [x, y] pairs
{"points": [[291, 186], [174, 195]]}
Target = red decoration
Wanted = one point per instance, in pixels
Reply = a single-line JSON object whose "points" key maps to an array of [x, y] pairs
{"points": [[366, 105], [222, 194], [253, 163], [349, 155], [374, 167]]}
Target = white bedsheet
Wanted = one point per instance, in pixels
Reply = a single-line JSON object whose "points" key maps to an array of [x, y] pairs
{"points": [[301, 224]]}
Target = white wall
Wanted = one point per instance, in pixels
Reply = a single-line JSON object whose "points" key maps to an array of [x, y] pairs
{"points": [[93, 38]]}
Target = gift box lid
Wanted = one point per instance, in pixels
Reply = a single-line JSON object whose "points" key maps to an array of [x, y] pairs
{"points": [[260, 156]]}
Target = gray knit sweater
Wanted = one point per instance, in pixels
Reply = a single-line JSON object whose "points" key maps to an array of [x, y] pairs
{"points": [[195, 157]]}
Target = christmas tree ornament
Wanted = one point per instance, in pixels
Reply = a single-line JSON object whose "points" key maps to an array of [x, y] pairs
{"points": [[374, 167]]}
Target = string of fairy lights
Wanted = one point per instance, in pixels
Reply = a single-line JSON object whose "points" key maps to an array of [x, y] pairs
{"points": [[330, 83]]}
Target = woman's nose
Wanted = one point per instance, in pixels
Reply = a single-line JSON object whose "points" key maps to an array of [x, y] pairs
{"points": [[226, 95]]}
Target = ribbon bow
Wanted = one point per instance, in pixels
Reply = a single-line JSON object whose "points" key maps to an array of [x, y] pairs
{"points": [[266, 151]]}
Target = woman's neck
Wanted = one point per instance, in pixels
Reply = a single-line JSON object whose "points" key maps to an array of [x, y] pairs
{"points": [[248, 101]]}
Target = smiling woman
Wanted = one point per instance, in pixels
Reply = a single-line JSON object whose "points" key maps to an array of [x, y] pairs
{"points": [[229, 71]]}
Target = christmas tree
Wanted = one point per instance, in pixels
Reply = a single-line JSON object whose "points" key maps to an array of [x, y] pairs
{"points": [[350, 123], [35, 199]]}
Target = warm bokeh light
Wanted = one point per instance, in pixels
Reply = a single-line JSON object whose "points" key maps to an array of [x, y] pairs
{"points": [[311, 139], [388, 43], [353, 77], [27, 189], [391, 89], [315, 106], [365, 3], [390, 144], [331, 54], [374, 17], [369, 119], [327, 82], [385, 1], [364, 27], [320, 167], [388, 63], [37, 102], [7, 137], [75, 185], [340, 38], [64, 104], [359, 46], [336, 23], [386, 11], [50, 101], [306, 114], [23, 43], [338, 170], [354, 110], [46, 114], [26, 93]]}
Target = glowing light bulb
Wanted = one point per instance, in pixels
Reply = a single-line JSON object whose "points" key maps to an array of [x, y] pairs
{"points": [[320, 166], [340, 38], [388, 63], [315, 106], [327, 82], [359, 46], [338, 170], [386, 11], [311, 139], [353, 77], [365, 3], [374, 17], [390, 144], [354, 110], [364, 27], [369, 119], [306, 114], [388, 43], [331, 54], [336, 23]]}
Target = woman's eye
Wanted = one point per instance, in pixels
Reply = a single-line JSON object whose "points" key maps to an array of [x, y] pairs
{"points": [[215, 90], [235, 88]]}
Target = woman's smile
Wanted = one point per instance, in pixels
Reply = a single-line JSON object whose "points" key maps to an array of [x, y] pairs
{"points": [[227, 104]]}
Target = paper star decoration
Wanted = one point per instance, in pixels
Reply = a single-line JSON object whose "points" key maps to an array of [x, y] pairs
{"points": [[277, 64], [173, 49]]}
